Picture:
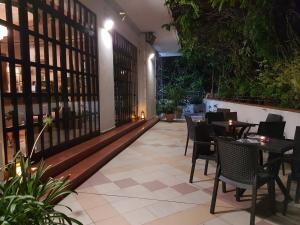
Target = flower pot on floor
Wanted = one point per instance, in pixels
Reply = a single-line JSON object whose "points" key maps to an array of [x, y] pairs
{"points": [[170, 117]]}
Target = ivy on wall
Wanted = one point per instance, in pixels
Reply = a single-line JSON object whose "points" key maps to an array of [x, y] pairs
{"points": [[251, 48]]}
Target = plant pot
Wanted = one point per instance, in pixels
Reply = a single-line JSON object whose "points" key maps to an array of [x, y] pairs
{"points": [[197, 108], [170, 117]]}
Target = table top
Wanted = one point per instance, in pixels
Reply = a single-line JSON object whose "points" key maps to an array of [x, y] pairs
{"points": [[272, 145], [233, 124]]}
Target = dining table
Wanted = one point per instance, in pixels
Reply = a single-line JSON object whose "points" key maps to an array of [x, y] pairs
{"points": [[275, 147], [231, 126]]}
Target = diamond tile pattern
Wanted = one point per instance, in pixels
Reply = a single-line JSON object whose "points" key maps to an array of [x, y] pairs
{"points": [[147, 184]]}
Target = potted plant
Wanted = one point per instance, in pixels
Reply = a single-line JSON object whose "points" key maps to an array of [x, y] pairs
{"points": [[196, 102], [27, 197], [169, 110]]}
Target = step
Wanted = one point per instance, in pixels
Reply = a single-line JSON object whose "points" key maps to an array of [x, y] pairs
{"points": [[66, 159], [88, 166]]}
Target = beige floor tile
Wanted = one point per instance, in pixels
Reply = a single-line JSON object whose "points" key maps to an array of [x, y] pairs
{"points": [[192, 216], [117, 220], [89, 201], [130, 204], [139, 216], [101, 213]]}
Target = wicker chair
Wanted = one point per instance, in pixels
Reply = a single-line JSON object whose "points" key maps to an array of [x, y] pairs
{"points": [[213, 117], [202, 147], [271, 129], [230, 116], [274, 118], [190, 130], [238, 165], [295, 175], [223, 110]]}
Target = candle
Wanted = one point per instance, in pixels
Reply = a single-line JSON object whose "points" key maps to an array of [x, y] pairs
{"points": [[263, 138]]}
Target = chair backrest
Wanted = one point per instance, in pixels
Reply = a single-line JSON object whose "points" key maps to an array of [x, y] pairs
{"points": [[230, 116], [274, 118], [202, 136], [190, 126], [224, 110], [238, 161], [271, 129], [296, 154], [214, 116]]}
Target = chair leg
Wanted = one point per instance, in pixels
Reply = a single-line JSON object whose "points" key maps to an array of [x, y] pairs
{"points": [[297, 192], [192, 171], [261, 157], [187, 144], [254, 195], [206, 167], [283, 168], [271, 190], [286, 199], [214, 195], [224, 187]]}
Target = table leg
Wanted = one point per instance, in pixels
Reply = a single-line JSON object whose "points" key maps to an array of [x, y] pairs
{"points": [[283, 188], [239, 193]]}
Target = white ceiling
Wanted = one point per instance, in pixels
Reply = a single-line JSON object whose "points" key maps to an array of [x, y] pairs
{"points": [[149, 16]]}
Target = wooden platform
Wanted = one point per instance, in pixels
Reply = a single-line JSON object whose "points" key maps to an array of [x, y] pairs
{"points": [[81, 161]]}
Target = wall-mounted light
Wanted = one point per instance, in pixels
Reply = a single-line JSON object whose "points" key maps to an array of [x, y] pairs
{"points": [[3, 32], [108, 24], [151, 56]]}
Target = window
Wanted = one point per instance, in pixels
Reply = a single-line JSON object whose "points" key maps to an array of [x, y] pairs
{"points": [[125, 77], [48, 64]]}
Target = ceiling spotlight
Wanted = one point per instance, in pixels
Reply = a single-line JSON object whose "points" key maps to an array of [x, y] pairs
{"points": [[108, 24], [123, 15]]}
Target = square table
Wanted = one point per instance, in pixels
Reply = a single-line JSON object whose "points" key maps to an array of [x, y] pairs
{"points": [[232, 125]]}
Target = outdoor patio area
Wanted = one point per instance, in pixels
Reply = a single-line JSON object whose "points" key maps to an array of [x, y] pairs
{"points": [[148, 183]]}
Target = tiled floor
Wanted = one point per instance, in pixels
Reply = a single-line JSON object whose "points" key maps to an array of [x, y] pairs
{"points": [[148, 184]]}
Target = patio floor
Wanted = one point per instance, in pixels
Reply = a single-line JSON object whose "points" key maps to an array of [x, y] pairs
{"points": [[148, 184]]}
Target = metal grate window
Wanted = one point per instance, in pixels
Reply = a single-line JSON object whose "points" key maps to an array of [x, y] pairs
{"points": [[49, 66], [125, 77]]}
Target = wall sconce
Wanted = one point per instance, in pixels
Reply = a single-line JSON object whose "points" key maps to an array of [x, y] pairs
{"points": [[151, 56], [108, 24], [143, 115]]}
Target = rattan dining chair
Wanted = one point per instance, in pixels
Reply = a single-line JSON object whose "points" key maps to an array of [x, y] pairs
{"points": [[223, 110], [202, 147], [190, 131], [230, 116], [214, 117], [238, 165], [274, 118], [295, 175]]}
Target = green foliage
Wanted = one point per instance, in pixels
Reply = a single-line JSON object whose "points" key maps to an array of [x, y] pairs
{"points": [[167, 106], [27, 199], [249, 47]]}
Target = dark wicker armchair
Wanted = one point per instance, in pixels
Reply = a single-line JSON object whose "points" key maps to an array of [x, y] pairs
{"points": [[295, 175], [274, 118], [190, 131], [239, 166], [213, 117], [202, 147]]}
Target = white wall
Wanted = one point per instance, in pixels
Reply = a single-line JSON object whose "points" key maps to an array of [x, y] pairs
{"points": [[146, 76], [255, 114]]}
